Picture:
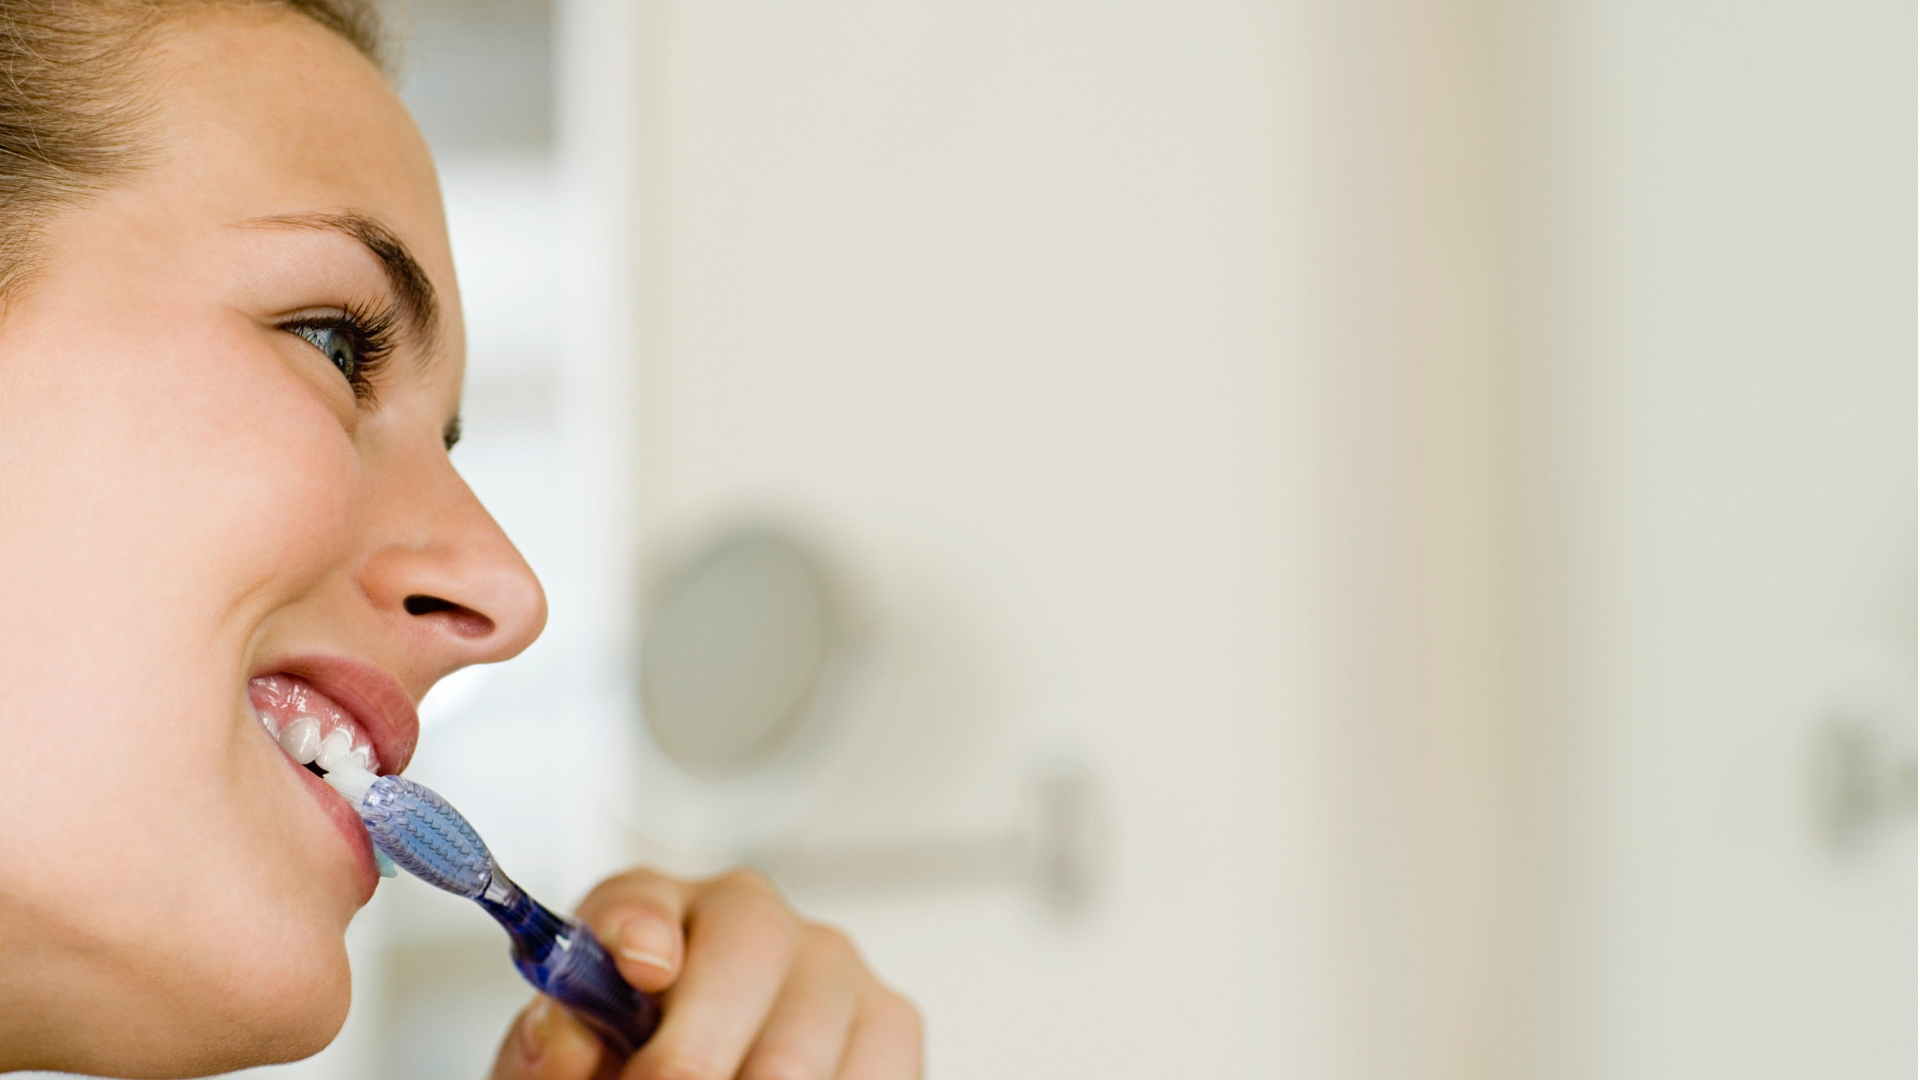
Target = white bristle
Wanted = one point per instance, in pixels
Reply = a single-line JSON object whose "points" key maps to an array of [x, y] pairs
{"points": [[351, 781]]}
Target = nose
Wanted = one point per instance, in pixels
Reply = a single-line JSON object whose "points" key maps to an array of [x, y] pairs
{"points": [[444, 572]]}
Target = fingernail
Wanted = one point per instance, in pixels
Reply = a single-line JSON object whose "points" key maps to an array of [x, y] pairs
{"points": [[536, 1027], [646, 941]]}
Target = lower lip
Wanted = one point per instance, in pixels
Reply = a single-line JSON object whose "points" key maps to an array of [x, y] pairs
{"points": [[346, 820]]}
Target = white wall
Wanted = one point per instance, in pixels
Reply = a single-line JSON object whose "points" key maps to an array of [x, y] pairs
{"points": [[1715, 310], [992, 300]]}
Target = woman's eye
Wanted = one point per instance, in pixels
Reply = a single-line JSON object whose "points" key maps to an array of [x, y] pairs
{"points": [[358, 343], [336, 344]]}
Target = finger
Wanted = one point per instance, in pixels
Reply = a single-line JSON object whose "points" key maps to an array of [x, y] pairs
{"points": [[885, 1042], [806, 1032], [547, 1043], [740, 946], [638, 916]]}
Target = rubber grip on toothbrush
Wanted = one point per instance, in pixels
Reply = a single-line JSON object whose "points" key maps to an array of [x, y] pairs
{"points": [[565, 961]]}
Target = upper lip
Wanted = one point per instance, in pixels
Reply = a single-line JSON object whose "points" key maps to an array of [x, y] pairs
{"points": [[375, 699]]}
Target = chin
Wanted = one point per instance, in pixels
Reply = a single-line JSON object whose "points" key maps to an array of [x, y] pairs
{"points": [[290, 1008], [287, 1005]]}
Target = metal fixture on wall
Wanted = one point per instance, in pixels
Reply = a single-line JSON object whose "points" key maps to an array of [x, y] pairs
{"points": [[1053, 851], [757, 679], [1862, 764], [760, 690], [737, 648]]}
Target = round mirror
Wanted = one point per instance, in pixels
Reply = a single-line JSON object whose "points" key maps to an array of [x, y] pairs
{"points": [[735, 650]]}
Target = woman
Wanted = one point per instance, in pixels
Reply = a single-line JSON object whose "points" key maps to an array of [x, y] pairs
{"points": [[230, 368]]}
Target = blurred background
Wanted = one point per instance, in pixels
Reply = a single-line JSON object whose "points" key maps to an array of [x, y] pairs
{"points": [[1217, 539]]}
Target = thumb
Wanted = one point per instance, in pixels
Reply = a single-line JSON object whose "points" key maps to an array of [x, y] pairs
{"points": [[547, 1043]]}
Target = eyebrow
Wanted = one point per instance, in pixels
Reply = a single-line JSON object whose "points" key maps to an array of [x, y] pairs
{"points": [[419, 304]]}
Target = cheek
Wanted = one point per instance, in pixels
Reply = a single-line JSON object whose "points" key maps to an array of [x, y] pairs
{"points": [[161, 494], [158, 498], [180, 478]]}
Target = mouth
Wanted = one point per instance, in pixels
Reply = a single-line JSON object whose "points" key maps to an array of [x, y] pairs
{"points": [[327, 714], [312, 728], [326, 711]]}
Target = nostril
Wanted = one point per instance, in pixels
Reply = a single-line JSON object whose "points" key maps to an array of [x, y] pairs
{"points": [[427, 605], [466, 621]]}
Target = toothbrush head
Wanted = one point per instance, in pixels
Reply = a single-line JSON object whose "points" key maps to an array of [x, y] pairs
{"points": [[559, 956], [417, 829]]}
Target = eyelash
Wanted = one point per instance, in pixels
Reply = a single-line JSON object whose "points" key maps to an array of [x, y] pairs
{"points": [[370, 333]]}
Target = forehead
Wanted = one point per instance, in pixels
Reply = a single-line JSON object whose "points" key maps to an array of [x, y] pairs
{"points": [[261, 113]]}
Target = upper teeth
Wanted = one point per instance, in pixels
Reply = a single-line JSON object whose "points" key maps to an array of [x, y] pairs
{"points": [[302, 741], [334, 749]]}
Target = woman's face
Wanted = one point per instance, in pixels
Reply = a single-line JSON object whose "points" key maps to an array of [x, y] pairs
{"points": [[224, 484]]}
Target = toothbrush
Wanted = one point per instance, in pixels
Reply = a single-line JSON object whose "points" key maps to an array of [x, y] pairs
{"points": [[417, 829]]}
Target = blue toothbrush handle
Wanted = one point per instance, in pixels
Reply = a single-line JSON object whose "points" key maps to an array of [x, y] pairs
{"points": [[423, 833], [565, 961]]}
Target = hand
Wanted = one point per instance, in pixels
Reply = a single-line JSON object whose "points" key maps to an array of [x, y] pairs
{"points": [[748, 989]]}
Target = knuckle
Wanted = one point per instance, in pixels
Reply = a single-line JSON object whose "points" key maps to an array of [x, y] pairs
{"points": [[771, 919], [638, 886], [681, 1064], [638, 877], [781, 1065], [830, 944], [747, 880], [754, 906], [898, 1016]]}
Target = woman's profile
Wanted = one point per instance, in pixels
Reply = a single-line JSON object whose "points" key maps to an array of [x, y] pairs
{"points": [[231, 357]]}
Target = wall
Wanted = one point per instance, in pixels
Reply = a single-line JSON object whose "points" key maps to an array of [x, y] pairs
{"points": [[991, 301], [1714, 290]]}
